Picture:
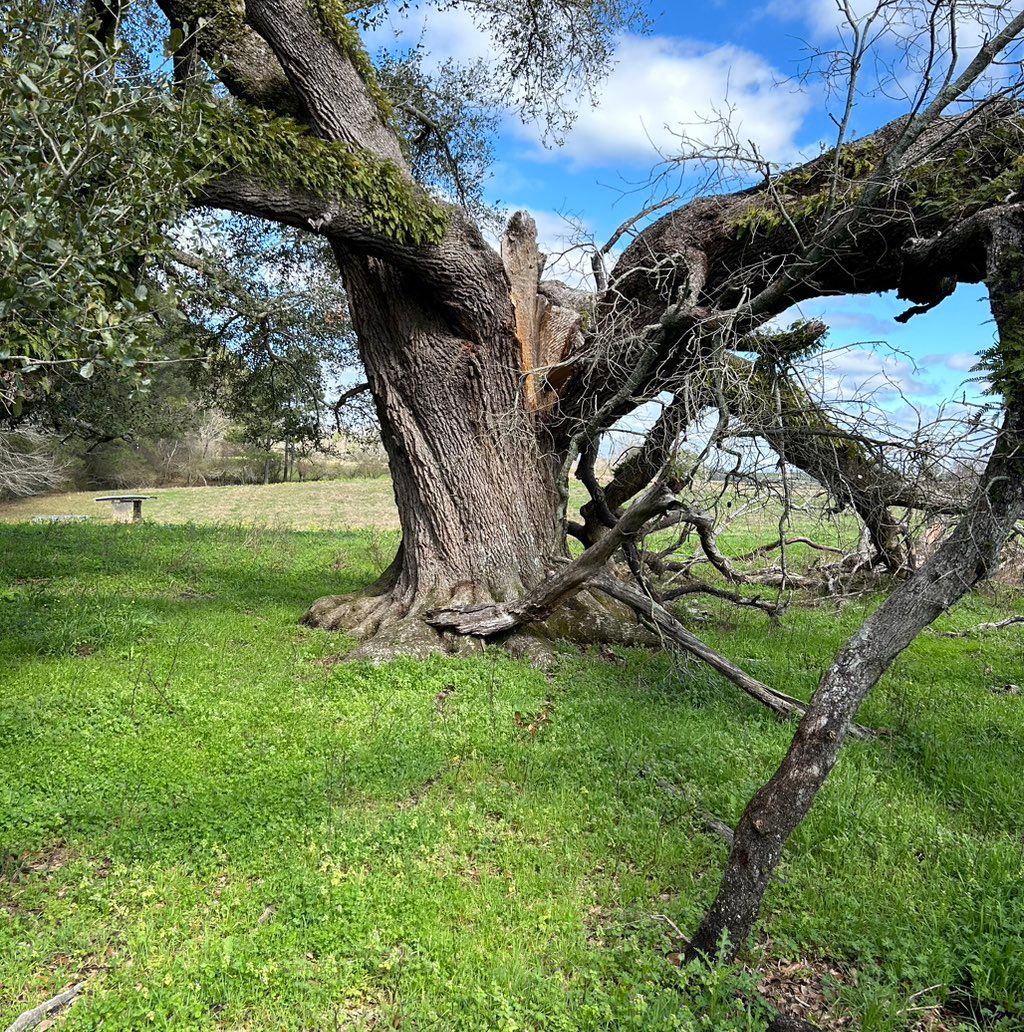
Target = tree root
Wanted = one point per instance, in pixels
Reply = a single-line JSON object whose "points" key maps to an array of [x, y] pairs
{"points": [[387, 626]]}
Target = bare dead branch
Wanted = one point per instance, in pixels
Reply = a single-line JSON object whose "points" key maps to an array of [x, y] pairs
{"points": [[679, 637], [35, 1016], [982, 628], [488, 621]]}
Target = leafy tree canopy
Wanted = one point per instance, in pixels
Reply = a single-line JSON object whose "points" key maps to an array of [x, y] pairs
{"points": [[92, 174]]}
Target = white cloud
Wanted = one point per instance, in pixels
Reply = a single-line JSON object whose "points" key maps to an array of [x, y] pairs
{"points": [[444, 34], [958, 361], [659, 86], [859, 372], [974, 22], [911, 43], [663, 86]]}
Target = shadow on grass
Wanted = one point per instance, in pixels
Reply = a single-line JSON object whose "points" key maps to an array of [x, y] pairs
{"points": [[72, 588]]}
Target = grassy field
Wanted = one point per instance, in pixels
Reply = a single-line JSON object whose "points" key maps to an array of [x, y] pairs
{"points": [[315, 505], [213, 823], [367, 503]]}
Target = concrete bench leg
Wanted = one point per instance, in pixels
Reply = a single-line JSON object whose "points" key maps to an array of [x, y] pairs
{"points": [[126, 512]]}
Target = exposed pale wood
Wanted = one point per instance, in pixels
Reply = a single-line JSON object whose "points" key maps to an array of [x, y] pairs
{"points": [[547, 332]]}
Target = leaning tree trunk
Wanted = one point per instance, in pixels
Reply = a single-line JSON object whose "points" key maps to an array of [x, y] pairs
{"points": [[970, 554], [480, 499]]}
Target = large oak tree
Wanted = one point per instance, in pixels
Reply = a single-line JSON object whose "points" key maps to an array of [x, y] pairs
{"points": [[490, 382]]}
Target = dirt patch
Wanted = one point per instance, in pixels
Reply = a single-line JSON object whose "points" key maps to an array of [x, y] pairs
{"points": [[47, 861], [326, 662], [531, 724], [442, 697]]}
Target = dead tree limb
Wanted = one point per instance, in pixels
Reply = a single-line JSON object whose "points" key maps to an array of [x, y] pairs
{"points": [[666, 625], [488, 621], [37, 1015], [695, 587], [854, 474], [982, 628]]}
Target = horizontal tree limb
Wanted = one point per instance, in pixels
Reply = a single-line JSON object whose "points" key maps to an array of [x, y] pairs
{"points": [[696, 587]]}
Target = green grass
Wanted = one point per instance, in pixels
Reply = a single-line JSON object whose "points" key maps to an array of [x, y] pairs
{"points": [[214, 824]]}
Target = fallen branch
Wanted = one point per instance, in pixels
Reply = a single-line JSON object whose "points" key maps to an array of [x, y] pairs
{"points": [[704, 525], [487, 621], [665, 624], [982, 628], [33, 1017], [695, 587]]}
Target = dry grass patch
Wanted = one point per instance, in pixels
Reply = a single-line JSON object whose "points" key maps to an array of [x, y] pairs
{"points": [[315, 505]]}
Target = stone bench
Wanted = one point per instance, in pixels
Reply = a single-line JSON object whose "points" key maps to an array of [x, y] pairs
{"points": [[126, 508]]}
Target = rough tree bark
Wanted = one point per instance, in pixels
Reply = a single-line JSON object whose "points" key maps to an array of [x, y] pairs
{"points": [[480, 495]]}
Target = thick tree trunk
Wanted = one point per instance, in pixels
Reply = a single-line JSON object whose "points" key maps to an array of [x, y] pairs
{"points": [[480, 500]]}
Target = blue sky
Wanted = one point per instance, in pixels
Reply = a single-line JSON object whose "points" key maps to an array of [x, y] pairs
{"points": [[699, 58]]}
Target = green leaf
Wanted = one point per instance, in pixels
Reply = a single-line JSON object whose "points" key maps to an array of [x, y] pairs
{"points": [[27, 85]]}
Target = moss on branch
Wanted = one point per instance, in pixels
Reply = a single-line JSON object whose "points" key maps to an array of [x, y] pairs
{"points": [[282, 151], [986, 170]]}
